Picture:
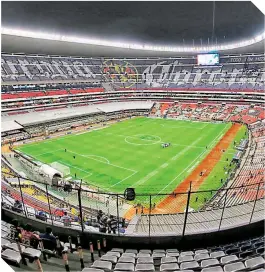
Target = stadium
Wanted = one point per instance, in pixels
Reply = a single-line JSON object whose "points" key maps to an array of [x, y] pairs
{"points": [[119, 155]]}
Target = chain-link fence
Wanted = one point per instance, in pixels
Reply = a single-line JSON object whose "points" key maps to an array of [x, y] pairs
{"points": [[90, 209]]}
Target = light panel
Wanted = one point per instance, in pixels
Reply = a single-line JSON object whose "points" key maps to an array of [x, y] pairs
{"points": [[135, 46]]}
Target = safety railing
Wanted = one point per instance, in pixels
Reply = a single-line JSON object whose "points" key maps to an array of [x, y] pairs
{"points": [[178, 213]]}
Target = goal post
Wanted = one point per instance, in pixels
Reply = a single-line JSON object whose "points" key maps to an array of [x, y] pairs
{"points": [[65, 170]]}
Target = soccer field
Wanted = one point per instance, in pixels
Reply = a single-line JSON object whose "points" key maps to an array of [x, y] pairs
{"points": [[129, 153]]}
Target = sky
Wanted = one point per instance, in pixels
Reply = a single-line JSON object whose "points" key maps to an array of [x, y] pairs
{"points": [[151, 22]]}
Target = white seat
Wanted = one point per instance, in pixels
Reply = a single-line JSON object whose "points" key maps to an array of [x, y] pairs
{"points": [[109, 258], [11, 255], [169, 267], [120, 250], [124, 267], [145, 260], [31, 252], [13, 246], [87, 269], [127, 254], [113, 253], [126, 259], [165, 260], [104, 265], [145, 267]]}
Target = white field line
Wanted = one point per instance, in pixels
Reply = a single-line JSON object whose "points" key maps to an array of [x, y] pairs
{"points": [[151, 174], [102, 161], [122, 180], [212, 143]]}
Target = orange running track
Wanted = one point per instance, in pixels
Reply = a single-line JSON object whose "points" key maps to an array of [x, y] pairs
{"points": [[174, 204]]}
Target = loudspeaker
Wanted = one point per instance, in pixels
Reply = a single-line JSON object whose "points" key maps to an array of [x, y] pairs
{"points": [[129, 194]]}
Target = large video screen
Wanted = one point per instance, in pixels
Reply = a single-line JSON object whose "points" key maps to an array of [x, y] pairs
{"points": [[208, 59]]}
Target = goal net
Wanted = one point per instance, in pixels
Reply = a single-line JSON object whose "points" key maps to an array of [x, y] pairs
{"points": [[65, 170]]}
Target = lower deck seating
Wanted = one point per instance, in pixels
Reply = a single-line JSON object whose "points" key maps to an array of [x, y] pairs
{"points": [[241, 256]]}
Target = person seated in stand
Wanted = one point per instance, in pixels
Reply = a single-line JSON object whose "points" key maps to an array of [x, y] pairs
{"points": [[48, 235], [28, 237], [17, 207], [42, 216], [15, 230]]}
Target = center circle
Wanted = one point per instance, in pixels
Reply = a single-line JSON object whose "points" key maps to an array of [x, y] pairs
{"points": [[142, 139]]}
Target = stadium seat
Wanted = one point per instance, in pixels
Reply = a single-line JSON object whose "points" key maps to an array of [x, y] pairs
{"points": [[169, 267], [209, 262], [145, 267], [254, 263], [135, 251], [114, 253], [125, 259], [87, 269], [104, 265], [217, 254], [120, 250], [128, 254], [145, 260], [165, 260], [189, 265], [234, 267], [213, 269], [185, 258], [124, 267], [109, 258], [228, 259], [12, 256]]}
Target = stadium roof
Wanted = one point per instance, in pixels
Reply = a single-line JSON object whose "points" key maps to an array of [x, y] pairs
{"points": [[91, 27]]}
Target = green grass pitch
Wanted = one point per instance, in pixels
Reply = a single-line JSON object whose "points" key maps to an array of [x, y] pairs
{"points": [[129, 153]]}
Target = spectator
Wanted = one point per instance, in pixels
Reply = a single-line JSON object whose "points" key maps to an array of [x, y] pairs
{"points": [[112, 224], [28, 237], [15, 230], [17, 207], [103, 224], [66, 219], [42, 216], [100, 215], [48, 235]]}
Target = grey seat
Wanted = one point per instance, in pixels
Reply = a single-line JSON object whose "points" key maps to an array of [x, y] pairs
{"points": [[213, 269], [201, 256], [68, 245], [165, 260], [145, 267], [234, 267], [135, 251], [147, 251], [158, 255], [172, 254], [169, 267], [185, 258], [172, 250], [201, 251], [120, 250], [87, 269], [13, 246], [104, 265], [11, 255], [145, 260], [253, 263], [228, 259], [209, 262], [109, 258], [124, 267], [189, 265], [159, 251], [32, 253], [4, 242], [142, 255], [128, 254], [217, 254], [258, 270], [185, 253], [125, 259], [113, 253]]}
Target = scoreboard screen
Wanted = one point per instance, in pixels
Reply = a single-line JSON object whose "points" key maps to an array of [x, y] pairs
{"points": [[208, 59]]}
